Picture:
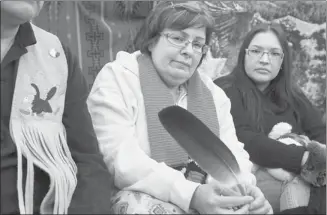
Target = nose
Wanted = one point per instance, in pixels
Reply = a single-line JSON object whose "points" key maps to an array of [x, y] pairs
{"points": [[187, 49], [265, 58]]}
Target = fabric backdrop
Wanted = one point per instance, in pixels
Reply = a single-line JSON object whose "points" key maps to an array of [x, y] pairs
{"points": [[96, 30]]}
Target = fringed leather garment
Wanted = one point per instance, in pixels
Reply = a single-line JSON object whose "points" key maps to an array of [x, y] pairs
{"points": [[36, 125]]}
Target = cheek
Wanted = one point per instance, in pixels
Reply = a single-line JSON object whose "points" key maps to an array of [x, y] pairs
{"points": [[160, 64], [196, 62], [160, 59], [248, 66], [275, 71]]}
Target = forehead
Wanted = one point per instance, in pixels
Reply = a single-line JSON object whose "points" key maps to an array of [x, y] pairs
{"points": [[266, 40]]}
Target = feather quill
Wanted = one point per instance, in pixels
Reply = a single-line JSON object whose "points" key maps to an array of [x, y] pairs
{"points": [[202, 145]]}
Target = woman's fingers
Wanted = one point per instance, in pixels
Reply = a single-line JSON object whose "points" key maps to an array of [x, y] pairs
{"points": [[227, 191], [264, 209], [243, 210], [233, 201], [258, 202], [259, 198], [271, 211]]}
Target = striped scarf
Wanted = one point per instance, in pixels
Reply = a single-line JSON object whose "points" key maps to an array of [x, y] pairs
{"points": [[157, 96]]}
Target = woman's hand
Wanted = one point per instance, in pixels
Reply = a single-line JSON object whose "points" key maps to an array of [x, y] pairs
{"points": [[260, 205], [214, 198]]}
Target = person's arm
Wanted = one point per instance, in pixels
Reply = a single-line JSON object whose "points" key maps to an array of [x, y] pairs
{"points": [[114, 112], [263, 151], [94, 183], [311, 120]]}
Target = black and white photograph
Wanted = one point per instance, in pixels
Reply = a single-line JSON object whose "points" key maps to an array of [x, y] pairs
{"points": [[163, 107]]}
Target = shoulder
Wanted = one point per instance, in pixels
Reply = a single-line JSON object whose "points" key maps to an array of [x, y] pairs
{"points": [[230, 87], [218, 94], [225, 81], [39, 32], [72, 63], [125, 62], [120, 75], [45, 39], [124, 67], [302, 103]]}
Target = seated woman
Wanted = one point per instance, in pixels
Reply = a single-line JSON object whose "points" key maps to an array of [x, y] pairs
{"points": [[263, 96], [148, 165]]}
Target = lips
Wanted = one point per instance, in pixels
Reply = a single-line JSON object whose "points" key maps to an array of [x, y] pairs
{"points": [[182, 63], [264, 70]]}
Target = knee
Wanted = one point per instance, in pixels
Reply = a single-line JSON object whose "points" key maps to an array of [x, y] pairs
{"points": [[297, 184]]}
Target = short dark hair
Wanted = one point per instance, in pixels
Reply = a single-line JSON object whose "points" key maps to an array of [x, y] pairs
{"points": [[174, 15]]}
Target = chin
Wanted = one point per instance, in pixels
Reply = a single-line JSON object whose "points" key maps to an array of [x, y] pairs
{"points": [[262, 80], [19, 12]]}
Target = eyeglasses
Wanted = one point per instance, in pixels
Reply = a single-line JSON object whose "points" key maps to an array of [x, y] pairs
{"points": [[274, 55], [181, 42]]}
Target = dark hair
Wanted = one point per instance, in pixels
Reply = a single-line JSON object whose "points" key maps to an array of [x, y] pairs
{"points": [[281, 91], [174, 15]]}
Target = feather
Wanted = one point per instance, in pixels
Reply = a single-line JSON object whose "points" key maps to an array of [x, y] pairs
{"points": [[202, 145]]}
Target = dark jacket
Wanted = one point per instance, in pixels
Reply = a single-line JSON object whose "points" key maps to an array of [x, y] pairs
{"points": [[263, 150], [267, 152]]}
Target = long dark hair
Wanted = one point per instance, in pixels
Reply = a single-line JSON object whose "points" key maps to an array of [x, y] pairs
{"points": [[281, 91]]}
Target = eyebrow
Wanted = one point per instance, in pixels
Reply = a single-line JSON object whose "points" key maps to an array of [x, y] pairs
{"points": [[186, 34], [272, 48]]}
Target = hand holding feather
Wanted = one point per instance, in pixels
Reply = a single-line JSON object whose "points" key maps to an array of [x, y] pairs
{"points": [[213, 156], [260, 205], [215, 198], [202, 145]]}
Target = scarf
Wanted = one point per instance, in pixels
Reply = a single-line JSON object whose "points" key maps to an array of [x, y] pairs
{"points": [[158, 96]]}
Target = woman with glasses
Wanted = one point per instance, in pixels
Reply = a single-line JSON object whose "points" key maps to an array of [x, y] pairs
{"points": [[153, 174], [262, 94]]}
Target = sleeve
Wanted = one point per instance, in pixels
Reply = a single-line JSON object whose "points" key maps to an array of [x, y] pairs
{"points": [[94, 186], [114, 122], [263, 151], [311, 120]]}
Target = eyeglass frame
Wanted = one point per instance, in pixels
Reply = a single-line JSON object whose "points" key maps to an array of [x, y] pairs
{"points": [[187, 41], [265, 52]]}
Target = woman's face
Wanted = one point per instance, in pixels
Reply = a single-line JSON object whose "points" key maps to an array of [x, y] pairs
{"points": [[175, 62], [263, 59]]}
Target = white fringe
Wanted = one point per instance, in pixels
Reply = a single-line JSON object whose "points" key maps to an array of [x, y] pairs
{"points": [[44, 144]]}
